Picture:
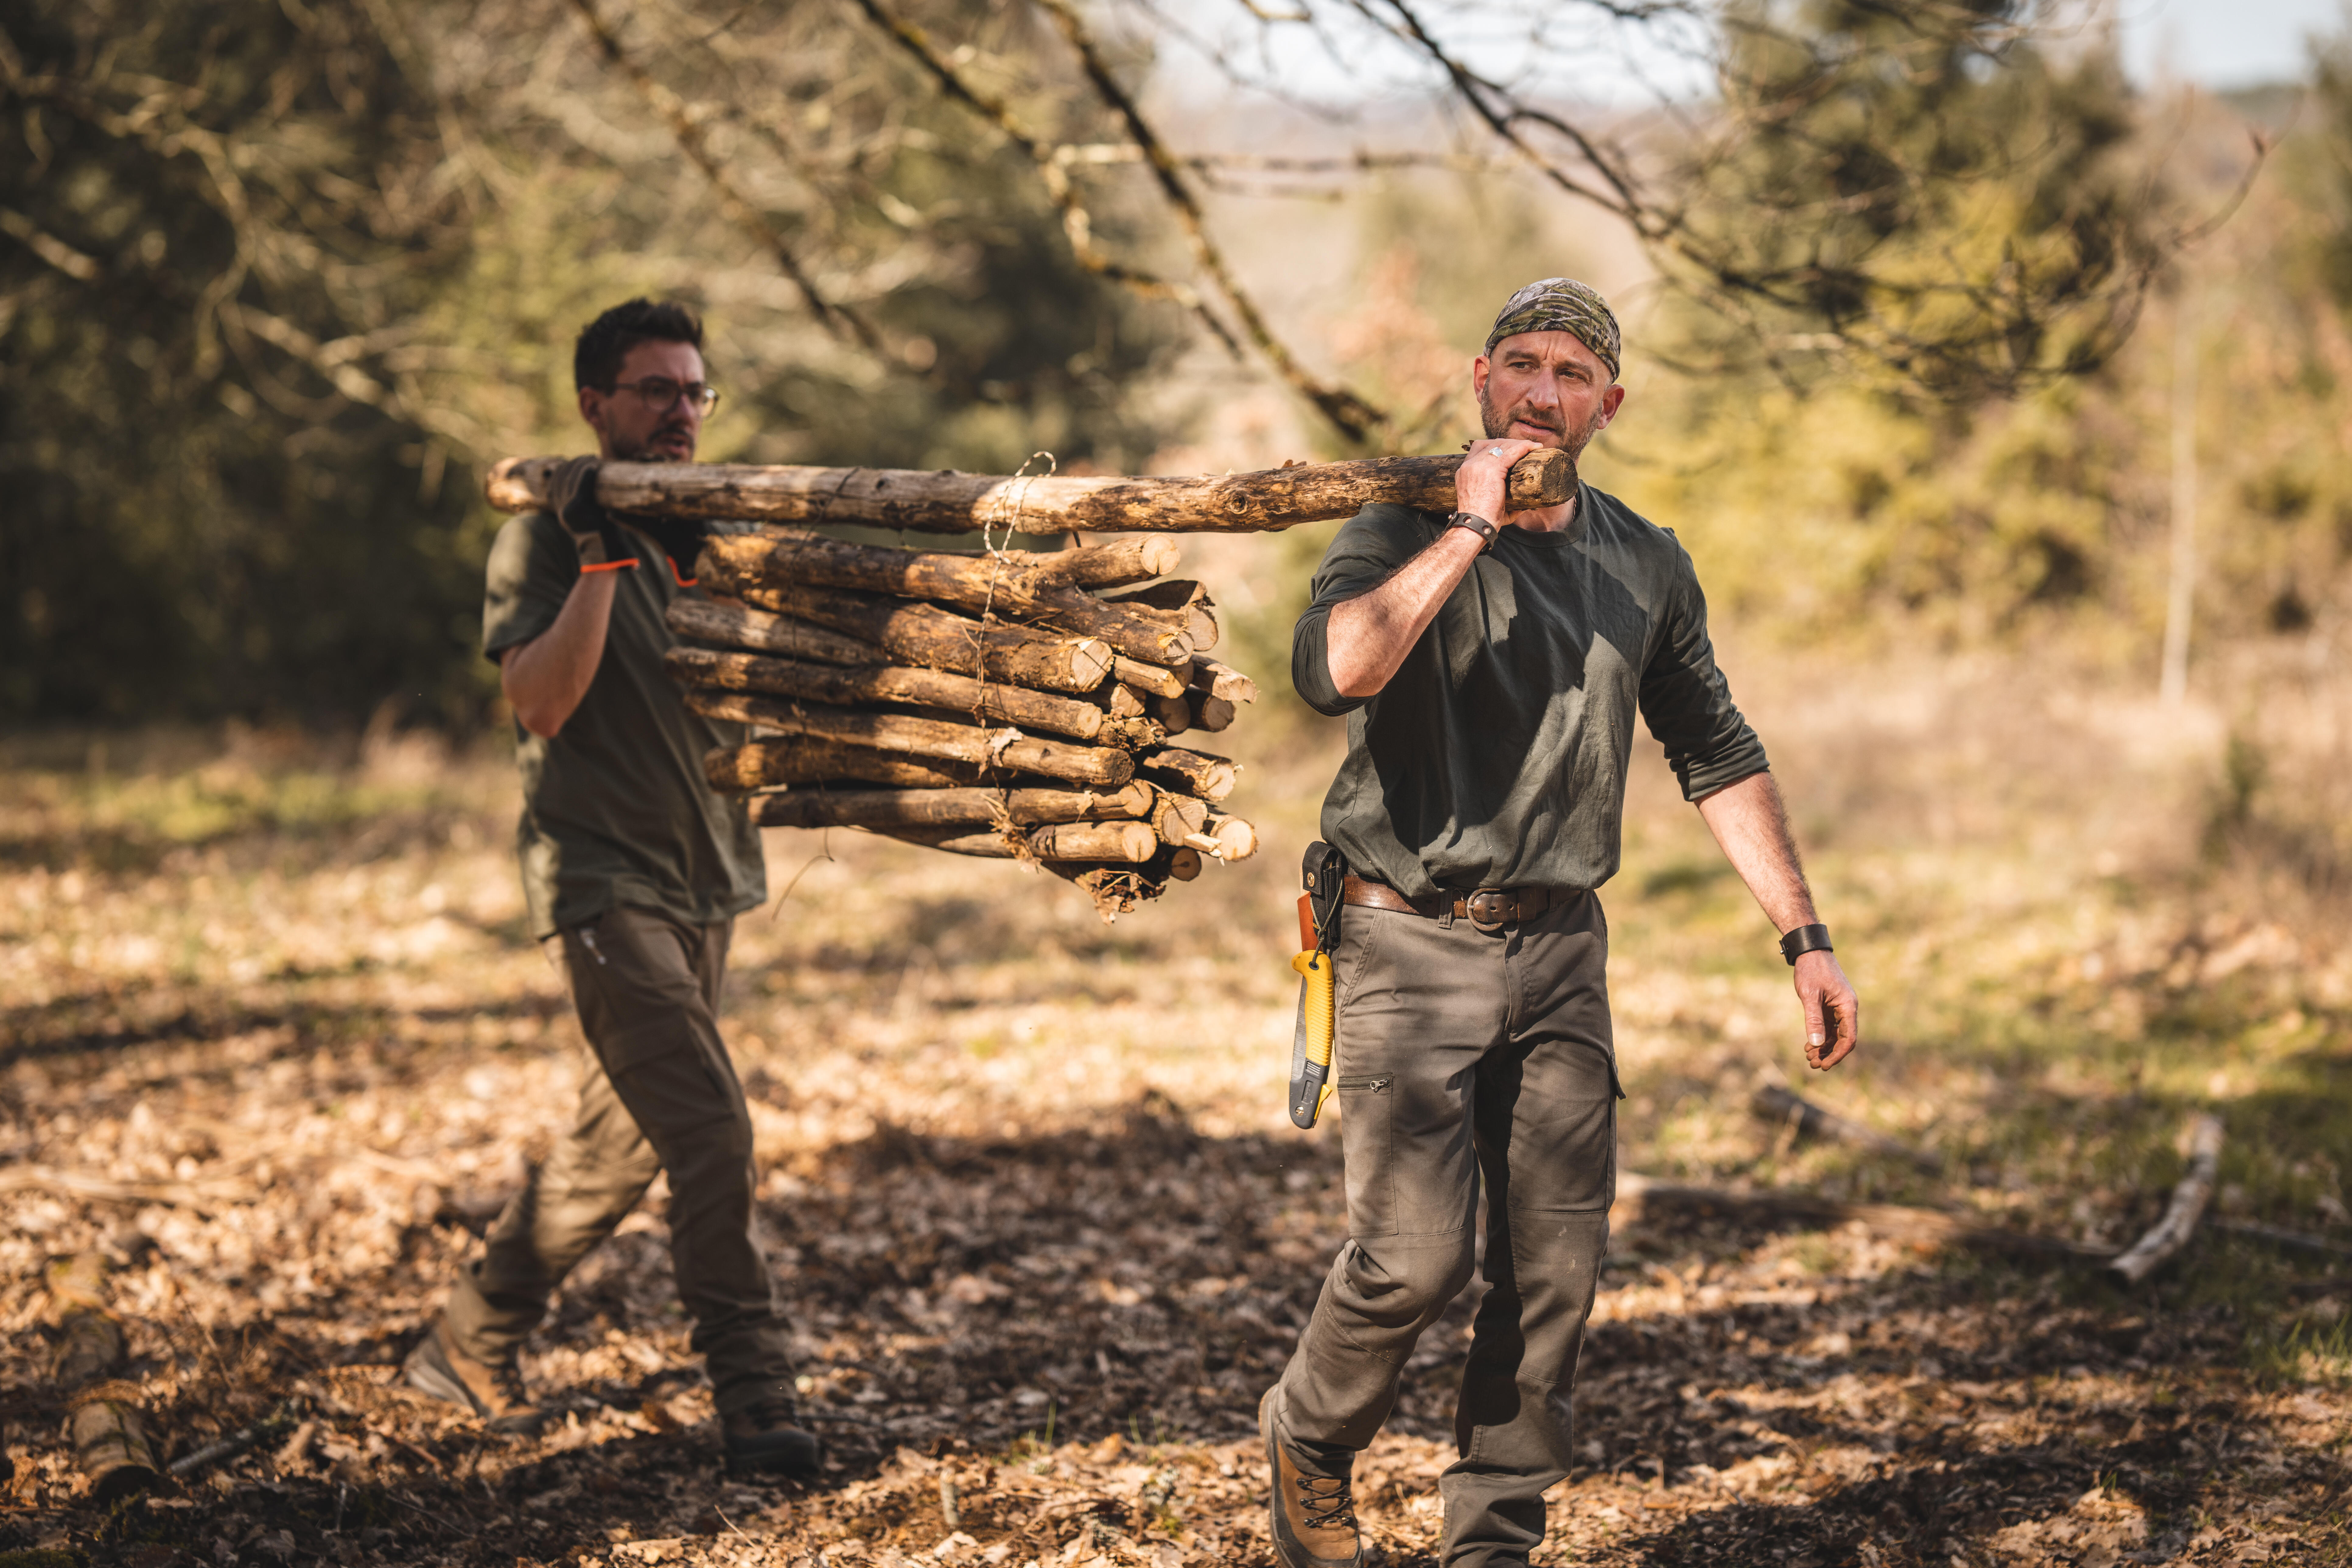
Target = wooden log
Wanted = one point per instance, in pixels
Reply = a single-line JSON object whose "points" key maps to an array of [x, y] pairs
{"points": [[764, 764], [950, 502], [784, 557], [918, 688], [1776, 1103], [935, 638], [1176, 819], [1182, 865], [1172, 714], [1180, 596], [1644, 1198], [1236, 840], [948, 807], [1005, 751], [1222, 680], [2187, 1206], [1132, 734], [1150, 679], [1189, 772], [103, 1420], [1209, 713], [1123, 702], [1117, 842], [737, 626], [1113, 564], [984, 845]]}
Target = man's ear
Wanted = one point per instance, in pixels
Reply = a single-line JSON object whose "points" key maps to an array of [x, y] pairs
{"points": [[1612, 398], [1479, 371], [591, 409]]}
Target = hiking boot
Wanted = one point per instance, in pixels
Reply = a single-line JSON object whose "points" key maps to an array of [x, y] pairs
{"points": [[763, 1439], [495, 1393], [1314, 1516]]}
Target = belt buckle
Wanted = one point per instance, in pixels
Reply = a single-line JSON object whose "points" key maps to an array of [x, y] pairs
{"points": [[1490, 909]]}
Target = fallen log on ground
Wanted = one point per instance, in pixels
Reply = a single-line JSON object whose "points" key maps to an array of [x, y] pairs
{"points": [[1638, 1197], [103, 1418], [948, 502], [1776, 1103], [2172, 1232]]}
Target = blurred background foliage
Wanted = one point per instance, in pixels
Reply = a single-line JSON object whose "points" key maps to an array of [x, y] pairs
{"points": [[278, 281]]}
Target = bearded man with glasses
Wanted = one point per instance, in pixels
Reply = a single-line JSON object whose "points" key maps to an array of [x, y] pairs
{"points": [[635, 871]]}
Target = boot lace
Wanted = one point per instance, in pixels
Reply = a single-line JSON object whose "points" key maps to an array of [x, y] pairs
{"points": [[1325, 1502]]}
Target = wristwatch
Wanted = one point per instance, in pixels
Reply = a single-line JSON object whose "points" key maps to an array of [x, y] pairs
{"points": [[1477, 525]]}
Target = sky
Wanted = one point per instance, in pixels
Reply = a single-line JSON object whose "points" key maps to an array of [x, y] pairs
{"points": [[2222, 43]]}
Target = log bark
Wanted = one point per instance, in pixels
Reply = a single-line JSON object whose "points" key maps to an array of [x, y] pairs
{"points": [[1178, 596], [1132, 734], [781, 558], [941, 639], [950, 503], [1117, 842], [988, 846], [764, 764], [1113, 564], [957, 694], [1006, 750], [1150, 679], [2187, 1206], [1222, 680], [734, 625], [1778, 1104], [1188, 772], [948, 807]]}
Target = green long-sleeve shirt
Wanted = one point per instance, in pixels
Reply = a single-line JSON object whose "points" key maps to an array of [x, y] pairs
{"points": [[1496, 755]]}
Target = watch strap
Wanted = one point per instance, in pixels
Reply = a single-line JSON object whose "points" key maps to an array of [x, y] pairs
{"points": [[1805, 940], [1486, 532]]}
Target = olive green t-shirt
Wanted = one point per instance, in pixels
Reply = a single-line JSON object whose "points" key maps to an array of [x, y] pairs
{"points": [[616, 808], [1496, 755]]}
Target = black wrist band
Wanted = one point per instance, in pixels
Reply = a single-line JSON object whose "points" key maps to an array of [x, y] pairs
{"points": [[1486, 531], [1805, 940]]}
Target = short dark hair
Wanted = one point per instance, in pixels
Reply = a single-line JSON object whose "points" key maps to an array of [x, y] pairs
{"points": [[606, 341]]}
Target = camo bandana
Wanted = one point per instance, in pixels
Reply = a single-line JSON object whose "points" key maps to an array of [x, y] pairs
{"points": [[1562, 305]]}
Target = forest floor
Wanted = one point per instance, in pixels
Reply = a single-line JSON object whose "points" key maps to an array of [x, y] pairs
{"points": [[273, 1039]]}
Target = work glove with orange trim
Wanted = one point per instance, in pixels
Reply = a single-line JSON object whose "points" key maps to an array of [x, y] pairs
{"points": [[571, 498]]}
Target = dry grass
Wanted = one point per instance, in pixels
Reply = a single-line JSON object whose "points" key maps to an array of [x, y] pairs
{"points": [[1045, 1232]]}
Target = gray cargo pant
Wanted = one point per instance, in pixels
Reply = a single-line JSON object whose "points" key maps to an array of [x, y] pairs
{"points": [[657, 1093], [1465, 1052]]}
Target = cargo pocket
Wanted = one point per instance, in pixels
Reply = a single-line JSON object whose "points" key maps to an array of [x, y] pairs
{"points": [[1367, 1133]]}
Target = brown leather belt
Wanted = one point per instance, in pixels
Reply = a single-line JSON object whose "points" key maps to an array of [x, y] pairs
{"points": [[1487, 909]]}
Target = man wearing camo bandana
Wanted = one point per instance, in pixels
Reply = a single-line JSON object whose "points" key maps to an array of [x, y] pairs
{"points": [[1490, 665]]}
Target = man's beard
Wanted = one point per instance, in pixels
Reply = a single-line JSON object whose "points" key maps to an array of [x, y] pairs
{"points": [[645, 451], [1498, 425]]}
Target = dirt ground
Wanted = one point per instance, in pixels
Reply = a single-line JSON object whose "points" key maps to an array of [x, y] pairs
{"points": [[275, 1043]]}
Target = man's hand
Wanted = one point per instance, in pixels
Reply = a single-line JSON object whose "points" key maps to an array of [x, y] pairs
{"points": [[1483, 483], [1832, 1012], [571, 497]]}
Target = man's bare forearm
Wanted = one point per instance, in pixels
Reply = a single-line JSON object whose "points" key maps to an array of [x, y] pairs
{"points": [[1368, 637], [1751, 824], [545, 678]]}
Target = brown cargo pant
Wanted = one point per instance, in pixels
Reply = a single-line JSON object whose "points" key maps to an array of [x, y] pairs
{"points": [[658, 1093], [1465, 1053]]}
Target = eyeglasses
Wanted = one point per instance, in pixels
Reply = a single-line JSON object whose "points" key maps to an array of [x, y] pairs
{"points": [[660, 392]]}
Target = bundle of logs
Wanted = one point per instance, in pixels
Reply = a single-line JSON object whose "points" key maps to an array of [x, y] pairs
{"points": [[999, 703], [1031, 706]]}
